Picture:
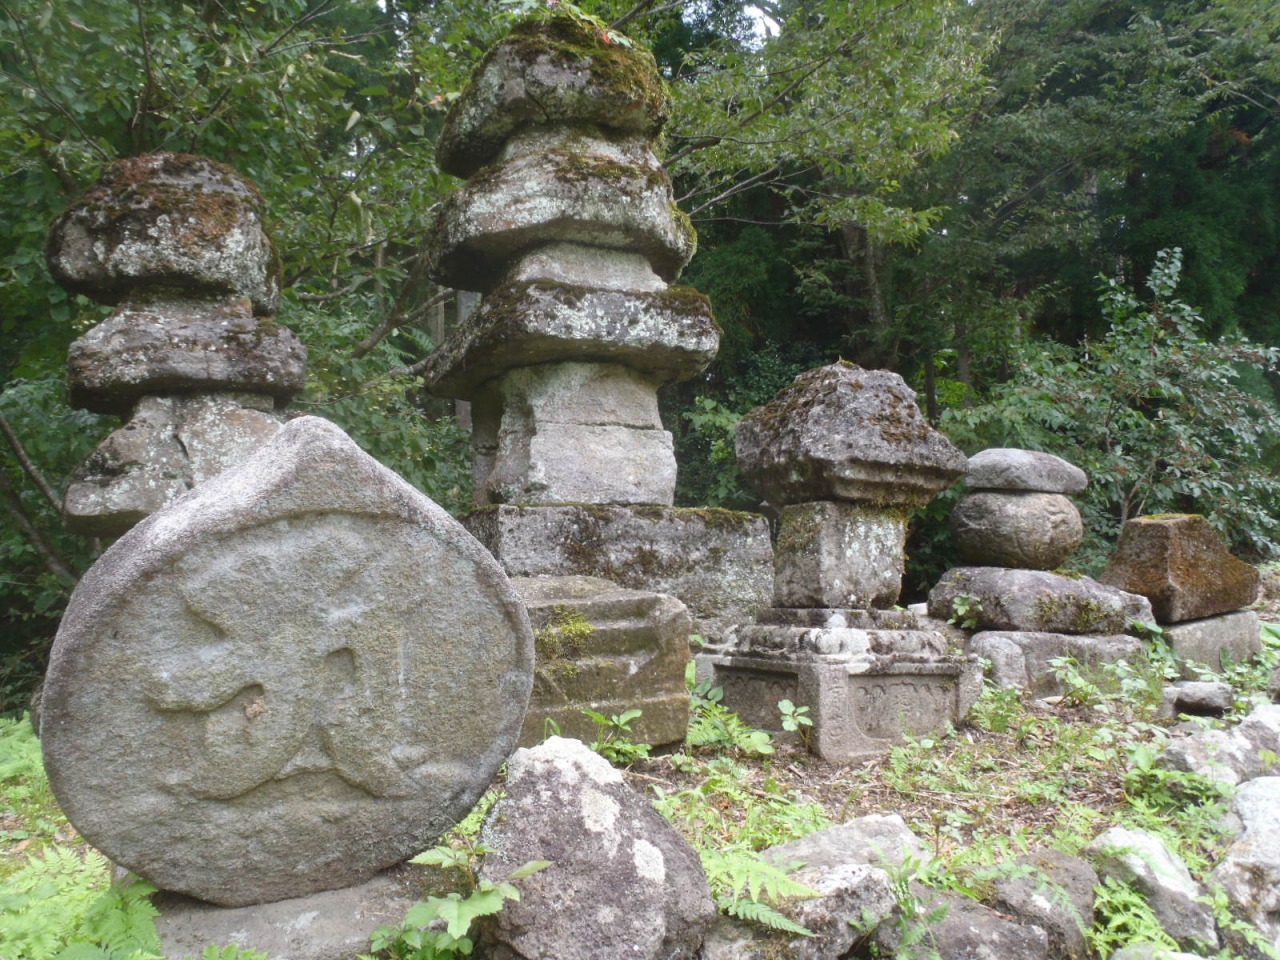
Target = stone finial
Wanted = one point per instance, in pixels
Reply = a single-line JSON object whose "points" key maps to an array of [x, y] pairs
{"points": [[843, 433], [547, 72], [1179, 562], [167, 221], [298, 675], [191, 355]]}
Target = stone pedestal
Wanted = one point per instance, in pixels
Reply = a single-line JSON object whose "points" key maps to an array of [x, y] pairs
{"points": [[608, 649], [716, 562], [833, 554]]}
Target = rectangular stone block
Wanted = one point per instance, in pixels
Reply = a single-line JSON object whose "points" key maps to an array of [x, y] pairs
{"points": [[1214, 641], [605, 648], [719, 563], [833, 554]]}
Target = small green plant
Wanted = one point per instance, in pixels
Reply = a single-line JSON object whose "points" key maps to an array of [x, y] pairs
{"points": [[965, 610], [997, 708], [231, 952], [437, 928], [748, 887], [1123, 916], [796, 720], [613, 737]]}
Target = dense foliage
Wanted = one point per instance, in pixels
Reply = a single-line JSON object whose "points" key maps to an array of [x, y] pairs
{"points": [[933, 187]]}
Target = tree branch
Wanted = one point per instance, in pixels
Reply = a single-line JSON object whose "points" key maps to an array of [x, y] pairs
{"points": [[397, 319], [52, 561], [28, 466]]}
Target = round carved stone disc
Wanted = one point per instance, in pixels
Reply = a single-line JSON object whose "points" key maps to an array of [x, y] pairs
{"points": [[300, 673]]}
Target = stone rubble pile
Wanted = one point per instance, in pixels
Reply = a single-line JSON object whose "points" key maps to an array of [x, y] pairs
{"points": [[845, 453], [1016, 524], [1196, 588], [568, 227], [191, 356]]}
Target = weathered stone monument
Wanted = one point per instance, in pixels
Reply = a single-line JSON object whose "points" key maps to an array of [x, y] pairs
{"points": [[1014, 525], [299, 674], [846, 454], [191, 357], [567, 225], [1196, 587]]}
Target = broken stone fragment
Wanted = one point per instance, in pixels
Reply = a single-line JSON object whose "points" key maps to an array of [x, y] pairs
{"points": [[1006, 468], [1036, 601], [557, 70], [1035, 531], [1214, 643], [622, 884], [1179, 562], [166, 220], [169, 445], [174, 343], [592, 198], [1022, 659], [843, 433], [669, 334], [1250, 872]]}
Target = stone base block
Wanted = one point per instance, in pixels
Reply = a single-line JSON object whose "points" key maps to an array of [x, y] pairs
{"points": [[605, 648], [1022, 660], [833, 554], [334, 925], [717, 562], [1214, 642], [860, 706]]}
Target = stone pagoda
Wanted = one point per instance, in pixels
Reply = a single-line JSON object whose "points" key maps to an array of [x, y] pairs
{"points": [[191, 357], [568, 227], [846, 454]]}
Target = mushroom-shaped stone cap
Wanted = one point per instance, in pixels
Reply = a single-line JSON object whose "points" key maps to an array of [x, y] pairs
{"points": [[844, 433], [548, 72], [166, 220], [1007, 468]]}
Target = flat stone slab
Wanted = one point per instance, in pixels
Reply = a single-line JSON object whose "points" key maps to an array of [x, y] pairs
{"points": [[597, 198], [1215, 642], [551, 71], [297, 675], [1022, 660], [719, 563], [1036, 601], [1179, 563], [843, 433], [166, 220], [190, 346], [332, 925], [1033, 531], [1007, 468], [634, 657], [669, 334]]}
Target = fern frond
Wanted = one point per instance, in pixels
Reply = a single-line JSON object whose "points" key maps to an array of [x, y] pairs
{"points": [[755, 912], [735, 871]]}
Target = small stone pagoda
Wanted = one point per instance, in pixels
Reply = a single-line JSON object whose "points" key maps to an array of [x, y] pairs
{"points": [[568, 227], [846, 454], [191, 357]]}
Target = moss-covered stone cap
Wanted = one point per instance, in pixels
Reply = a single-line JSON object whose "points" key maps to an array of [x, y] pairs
{"points": [[556, 70], [669, 334], [1179, 563], [166, 220], [844, 433]]}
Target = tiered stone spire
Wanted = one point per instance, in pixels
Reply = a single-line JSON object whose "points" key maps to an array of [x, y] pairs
{"points": [[191, 356], [567, 224]]}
